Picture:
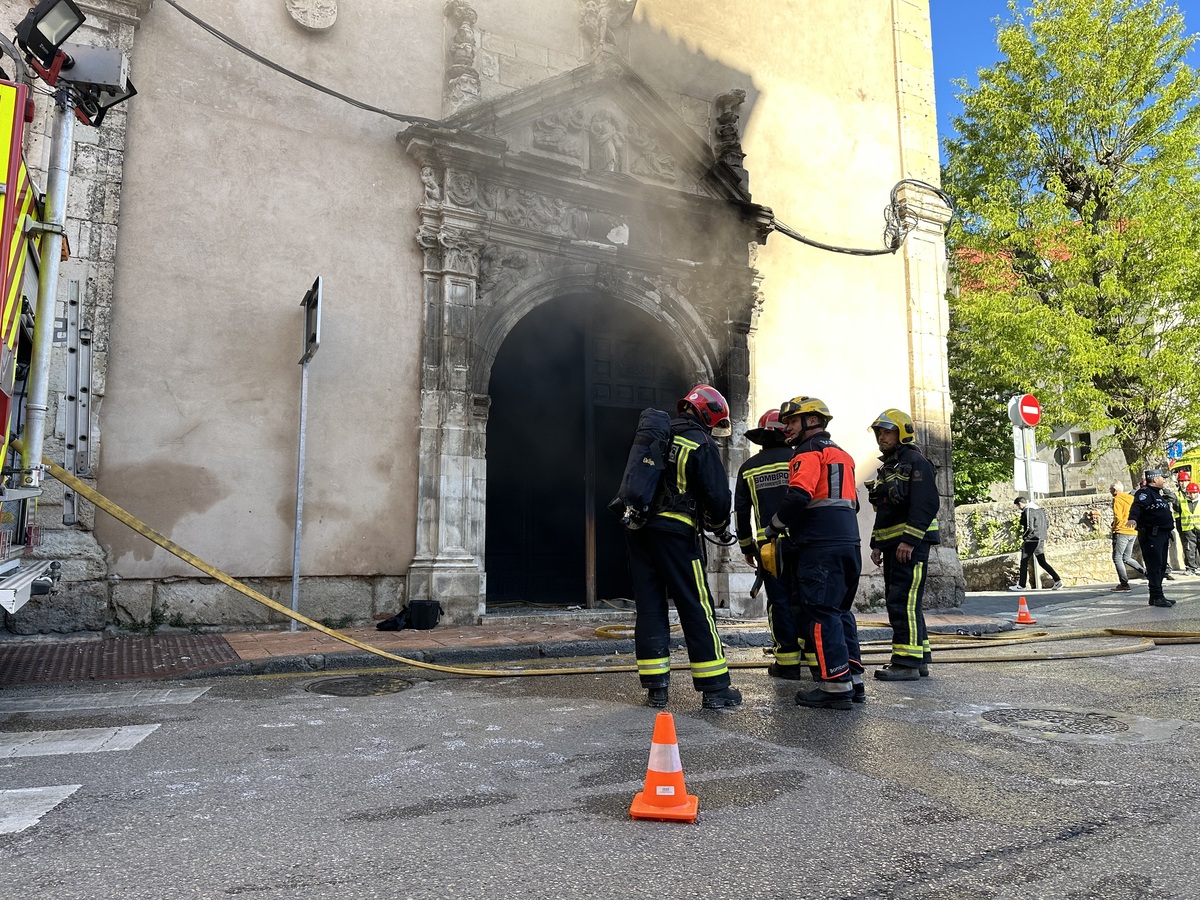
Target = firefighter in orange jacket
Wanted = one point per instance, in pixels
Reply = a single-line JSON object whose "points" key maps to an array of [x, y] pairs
{"points": [[665, 555], [905, 496], [822, 555], [759, 488]]}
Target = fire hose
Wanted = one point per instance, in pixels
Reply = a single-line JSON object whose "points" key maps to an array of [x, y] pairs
{"points": [[1148, 639]]}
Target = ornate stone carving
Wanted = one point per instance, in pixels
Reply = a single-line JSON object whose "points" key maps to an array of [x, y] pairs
{"points": [[433, 191], [608, 141], [461, 251], [650, 162], [729, 142], [604, 26], [527, 209], [462, 78], [461, 190], [315, 15], [554, 132], [497, 267]]}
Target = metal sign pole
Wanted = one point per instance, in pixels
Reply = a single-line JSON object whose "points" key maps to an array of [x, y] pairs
{"points": [[311, 341]]}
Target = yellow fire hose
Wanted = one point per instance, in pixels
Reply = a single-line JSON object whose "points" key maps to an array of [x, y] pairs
{"points": [[1149, 639]]}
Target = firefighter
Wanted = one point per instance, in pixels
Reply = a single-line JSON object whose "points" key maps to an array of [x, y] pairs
{"points": [[759, 487], [821, 551], [905, 496], [1151, 515], [1189, 526], [665, 554]]}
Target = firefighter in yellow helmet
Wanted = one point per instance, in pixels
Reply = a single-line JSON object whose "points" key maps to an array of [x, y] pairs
{"points": [[817, 521], [759, 488], [905, 496]]}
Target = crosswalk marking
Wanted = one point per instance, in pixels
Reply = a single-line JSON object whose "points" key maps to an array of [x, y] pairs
{"points": [[76, 740], [22, 807], [110, 700]]}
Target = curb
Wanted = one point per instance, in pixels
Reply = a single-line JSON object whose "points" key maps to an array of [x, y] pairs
{"points": [[317, 663]]}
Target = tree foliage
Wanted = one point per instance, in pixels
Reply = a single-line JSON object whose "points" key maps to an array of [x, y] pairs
{"points": [[1076, 256]]}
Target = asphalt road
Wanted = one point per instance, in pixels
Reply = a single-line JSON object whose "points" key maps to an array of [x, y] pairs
{"points": [[1065, 778]]}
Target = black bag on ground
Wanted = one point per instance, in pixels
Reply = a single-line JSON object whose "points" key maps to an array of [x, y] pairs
{"points": [[398, 622], [424, 614], [644, 468]]}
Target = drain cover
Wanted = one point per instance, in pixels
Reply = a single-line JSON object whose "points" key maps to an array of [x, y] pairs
{"points": [[360, 686], [1078, 726], [1057, 721]]}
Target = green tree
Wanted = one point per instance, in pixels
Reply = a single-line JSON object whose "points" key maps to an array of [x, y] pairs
{"points": [[1076, 254]]}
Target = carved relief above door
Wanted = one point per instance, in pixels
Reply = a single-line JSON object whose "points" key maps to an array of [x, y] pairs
{"points": [[586, 184]]}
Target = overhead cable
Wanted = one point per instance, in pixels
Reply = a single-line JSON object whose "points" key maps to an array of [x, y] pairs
{"points": [[257, 57], [899, 220]]}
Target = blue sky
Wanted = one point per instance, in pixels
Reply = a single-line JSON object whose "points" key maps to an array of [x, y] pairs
{"points": [[964, 41]]}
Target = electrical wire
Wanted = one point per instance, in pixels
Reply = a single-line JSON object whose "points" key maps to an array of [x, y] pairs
{"points": [[899, 221], [241, 48]]}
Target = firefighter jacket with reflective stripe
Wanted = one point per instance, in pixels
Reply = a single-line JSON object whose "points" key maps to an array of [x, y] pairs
{"points": [[761, 483], [1151, 509], [694, 493], [905, 496], [1189, 514], [820, 505]]}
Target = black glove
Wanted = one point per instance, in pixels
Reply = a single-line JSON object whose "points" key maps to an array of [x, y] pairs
{"points": [[771, 532], [725, 536]]}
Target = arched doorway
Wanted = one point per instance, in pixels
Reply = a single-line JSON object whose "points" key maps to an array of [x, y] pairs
{"points": [[566, 389]]}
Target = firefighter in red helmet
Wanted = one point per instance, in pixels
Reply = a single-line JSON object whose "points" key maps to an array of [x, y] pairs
{"points": [[759, 488], [666, 559], [818, 522]]}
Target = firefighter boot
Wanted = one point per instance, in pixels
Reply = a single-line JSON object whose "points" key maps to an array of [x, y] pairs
{"points": [[830, 695], [792, 673], [726, 698], [656, 698], [859, 694], [898, 673]]}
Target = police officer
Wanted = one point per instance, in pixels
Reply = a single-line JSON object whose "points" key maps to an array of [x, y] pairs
{"points": [[905, 496], [1151, 515], [759, 488], [822, 559], [665, 555]]}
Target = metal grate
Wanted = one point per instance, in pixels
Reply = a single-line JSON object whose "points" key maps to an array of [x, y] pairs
{"points": [[359, 686], [160, 656]]}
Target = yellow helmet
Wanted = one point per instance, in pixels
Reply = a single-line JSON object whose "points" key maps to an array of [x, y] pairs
{"points": [[804, 405], [902, 422]]}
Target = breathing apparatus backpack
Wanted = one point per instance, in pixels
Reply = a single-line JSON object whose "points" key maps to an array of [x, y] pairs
{"points": [[644, 469]]}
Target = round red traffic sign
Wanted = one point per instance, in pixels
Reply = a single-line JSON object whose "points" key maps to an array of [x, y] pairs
{"points": [[1029, 410]]}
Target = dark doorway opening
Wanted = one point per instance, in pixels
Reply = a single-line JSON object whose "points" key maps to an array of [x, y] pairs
{"points": [[566, 389]]}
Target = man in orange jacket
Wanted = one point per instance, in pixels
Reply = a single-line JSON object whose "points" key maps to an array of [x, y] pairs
{"points": [[1123, 537]]}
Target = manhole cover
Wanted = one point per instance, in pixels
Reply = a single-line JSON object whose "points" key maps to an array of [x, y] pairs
{"points": [[1057, 721], [360, 686]]}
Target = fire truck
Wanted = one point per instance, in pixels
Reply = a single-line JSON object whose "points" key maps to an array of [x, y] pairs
{"points": [[20, 239]]}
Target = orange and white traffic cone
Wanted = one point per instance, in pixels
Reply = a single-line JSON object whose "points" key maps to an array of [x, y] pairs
{"points": [[665, 796], [1023, 616]]}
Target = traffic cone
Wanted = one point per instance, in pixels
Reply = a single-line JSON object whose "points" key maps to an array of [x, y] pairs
{"points": [[1023, 616], [665, 796]]}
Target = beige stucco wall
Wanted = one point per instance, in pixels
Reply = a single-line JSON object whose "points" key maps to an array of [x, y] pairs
{"points": [[823, 146], [241, 186]]}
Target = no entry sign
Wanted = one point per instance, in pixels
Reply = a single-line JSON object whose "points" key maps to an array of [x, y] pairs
{"points": [[1024, 411]]}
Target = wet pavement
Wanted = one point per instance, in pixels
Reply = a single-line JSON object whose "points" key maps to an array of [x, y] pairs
{"points": [[522, 633]]}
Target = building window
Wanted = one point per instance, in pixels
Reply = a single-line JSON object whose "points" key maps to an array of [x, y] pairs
{"points": [[1081, 447]]}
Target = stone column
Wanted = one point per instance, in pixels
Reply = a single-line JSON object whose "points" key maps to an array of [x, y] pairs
{"points": [[448, 566], [928, 323]]}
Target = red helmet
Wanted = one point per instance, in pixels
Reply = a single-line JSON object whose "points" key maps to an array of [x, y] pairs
{"points": [[768, 423], [710, 407], [1184, 475], [1193, 488]]}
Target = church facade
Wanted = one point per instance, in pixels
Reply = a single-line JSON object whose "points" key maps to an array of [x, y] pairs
{"points": [[530, 219]]}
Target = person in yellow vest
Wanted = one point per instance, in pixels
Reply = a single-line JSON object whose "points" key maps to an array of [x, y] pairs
{"points": [[1123, 537], [1189, 527]]}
